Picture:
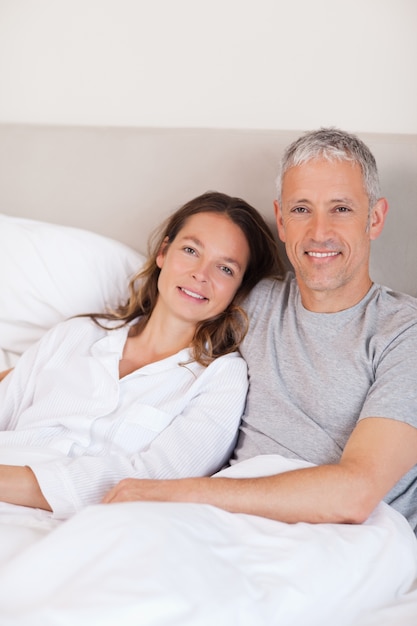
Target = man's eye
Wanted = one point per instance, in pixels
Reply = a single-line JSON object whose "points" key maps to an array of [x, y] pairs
{"points": [[299, 209], [343, 209]]}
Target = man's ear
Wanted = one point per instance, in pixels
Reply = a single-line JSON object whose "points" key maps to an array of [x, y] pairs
{"points": [[160, 257], [278, 220], [377, 218]]}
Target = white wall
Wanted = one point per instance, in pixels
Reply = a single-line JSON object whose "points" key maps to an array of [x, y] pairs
{"points": [[292, 64]]}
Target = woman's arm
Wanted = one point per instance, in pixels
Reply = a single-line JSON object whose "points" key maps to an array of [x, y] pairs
{"points": [[18, 485], [4, 373], [197, 442]]}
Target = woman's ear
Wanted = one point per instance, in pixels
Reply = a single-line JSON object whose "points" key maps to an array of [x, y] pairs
{"points": [[160, 257]]}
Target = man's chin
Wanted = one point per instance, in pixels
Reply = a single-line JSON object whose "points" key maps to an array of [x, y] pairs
{"points": [[319, 283]]}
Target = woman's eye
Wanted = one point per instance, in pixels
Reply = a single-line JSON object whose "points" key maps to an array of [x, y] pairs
{"points": [[226, 270], [189, 250]]}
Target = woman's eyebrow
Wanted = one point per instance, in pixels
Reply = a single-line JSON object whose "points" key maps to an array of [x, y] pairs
{"points": [[196, 241]]}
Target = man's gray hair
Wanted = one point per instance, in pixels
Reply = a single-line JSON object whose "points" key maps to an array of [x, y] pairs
{"points": [[334, 145]]}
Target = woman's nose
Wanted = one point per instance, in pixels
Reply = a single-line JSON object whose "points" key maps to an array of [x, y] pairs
{"points": [[201, 272]]}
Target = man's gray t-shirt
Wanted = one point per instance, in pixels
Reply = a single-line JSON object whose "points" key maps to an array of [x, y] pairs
{"points": [[314, 375]]}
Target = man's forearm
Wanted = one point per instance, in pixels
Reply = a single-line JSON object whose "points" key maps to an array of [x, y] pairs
{"points": [[18, 485], [318, 494], [379, 452]]}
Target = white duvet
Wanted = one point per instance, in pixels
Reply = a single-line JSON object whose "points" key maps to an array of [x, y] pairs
{"points": [[164, 564]]}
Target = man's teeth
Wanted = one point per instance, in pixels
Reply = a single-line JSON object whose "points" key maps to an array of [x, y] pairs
{"points": [[192, 294], [321, 255]]}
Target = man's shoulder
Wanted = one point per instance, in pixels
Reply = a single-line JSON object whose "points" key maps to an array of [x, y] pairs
{"points": [[391, 318], [391, 301], [270, 290]]}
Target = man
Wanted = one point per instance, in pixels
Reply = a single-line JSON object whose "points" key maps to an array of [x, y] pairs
{"points": [[332, 357]]}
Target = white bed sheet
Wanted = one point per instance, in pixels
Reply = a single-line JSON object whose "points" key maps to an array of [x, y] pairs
{"points": [[165, 564]]}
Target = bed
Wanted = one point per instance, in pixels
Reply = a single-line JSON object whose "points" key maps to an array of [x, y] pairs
{"points": [[76, 208]]}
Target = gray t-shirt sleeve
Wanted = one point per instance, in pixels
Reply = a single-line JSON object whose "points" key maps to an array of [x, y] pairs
{"points": [[393, 393]]}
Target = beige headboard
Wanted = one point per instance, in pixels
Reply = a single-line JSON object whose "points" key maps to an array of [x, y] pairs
{"points": [[122, 182]]}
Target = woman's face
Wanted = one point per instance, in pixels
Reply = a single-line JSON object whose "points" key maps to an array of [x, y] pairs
{"points": [[203, 267]]}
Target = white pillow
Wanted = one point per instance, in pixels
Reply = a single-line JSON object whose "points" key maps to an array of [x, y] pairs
{"points": [[50, 272]]}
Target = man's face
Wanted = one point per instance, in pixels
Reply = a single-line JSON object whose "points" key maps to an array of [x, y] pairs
{"points": [[325, 222]]}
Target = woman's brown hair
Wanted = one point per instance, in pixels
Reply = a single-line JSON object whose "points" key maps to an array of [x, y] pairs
{"points": [[224, 332]]}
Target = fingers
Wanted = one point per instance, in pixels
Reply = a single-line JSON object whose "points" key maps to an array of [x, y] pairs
{"points": [[108, 498], [127, 490]]}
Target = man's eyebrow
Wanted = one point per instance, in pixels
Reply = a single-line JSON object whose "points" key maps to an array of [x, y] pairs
{"points": [[341, 200], [344, 200], [298, 201]]}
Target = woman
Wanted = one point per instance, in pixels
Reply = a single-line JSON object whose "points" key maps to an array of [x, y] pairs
{"points": [[154, 389]]}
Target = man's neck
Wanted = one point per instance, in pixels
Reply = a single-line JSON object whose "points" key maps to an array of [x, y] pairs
{"points": [[332, 300]]}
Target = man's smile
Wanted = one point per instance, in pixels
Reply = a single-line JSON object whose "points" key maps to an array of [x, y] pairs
{"points": [[322, 255]]}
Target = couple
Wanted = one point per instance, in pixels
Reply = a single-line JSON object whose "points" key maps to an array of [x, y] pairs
{"points": [[332, 362]]}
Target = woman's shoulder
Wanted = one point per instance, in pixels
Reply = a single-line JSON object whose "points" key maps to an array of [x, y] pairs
{"points": [[230, 364], [81, 323], [75, 329]]}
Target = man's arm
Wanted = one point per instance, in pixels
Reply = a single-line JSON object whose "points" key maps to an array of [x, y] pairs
{"points": [[18, 485], [379, 452]]}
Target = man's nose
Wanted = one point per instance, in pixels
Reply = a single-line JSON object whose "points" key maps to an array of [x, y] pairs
{"points": [[320, 227]]}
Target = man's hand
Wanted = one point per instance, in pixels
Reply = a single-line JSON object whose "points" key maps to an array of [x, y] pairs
{"points": [[379, 452], [134, 489]]}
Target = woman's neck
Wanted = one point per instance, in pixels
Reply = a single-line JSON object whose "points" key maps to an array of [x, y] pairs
{"points": [[156, 340]]}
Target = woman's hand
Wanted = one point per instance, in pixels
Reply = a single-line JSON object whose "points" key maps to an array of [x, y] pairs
{"points": [[4, 373]]}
